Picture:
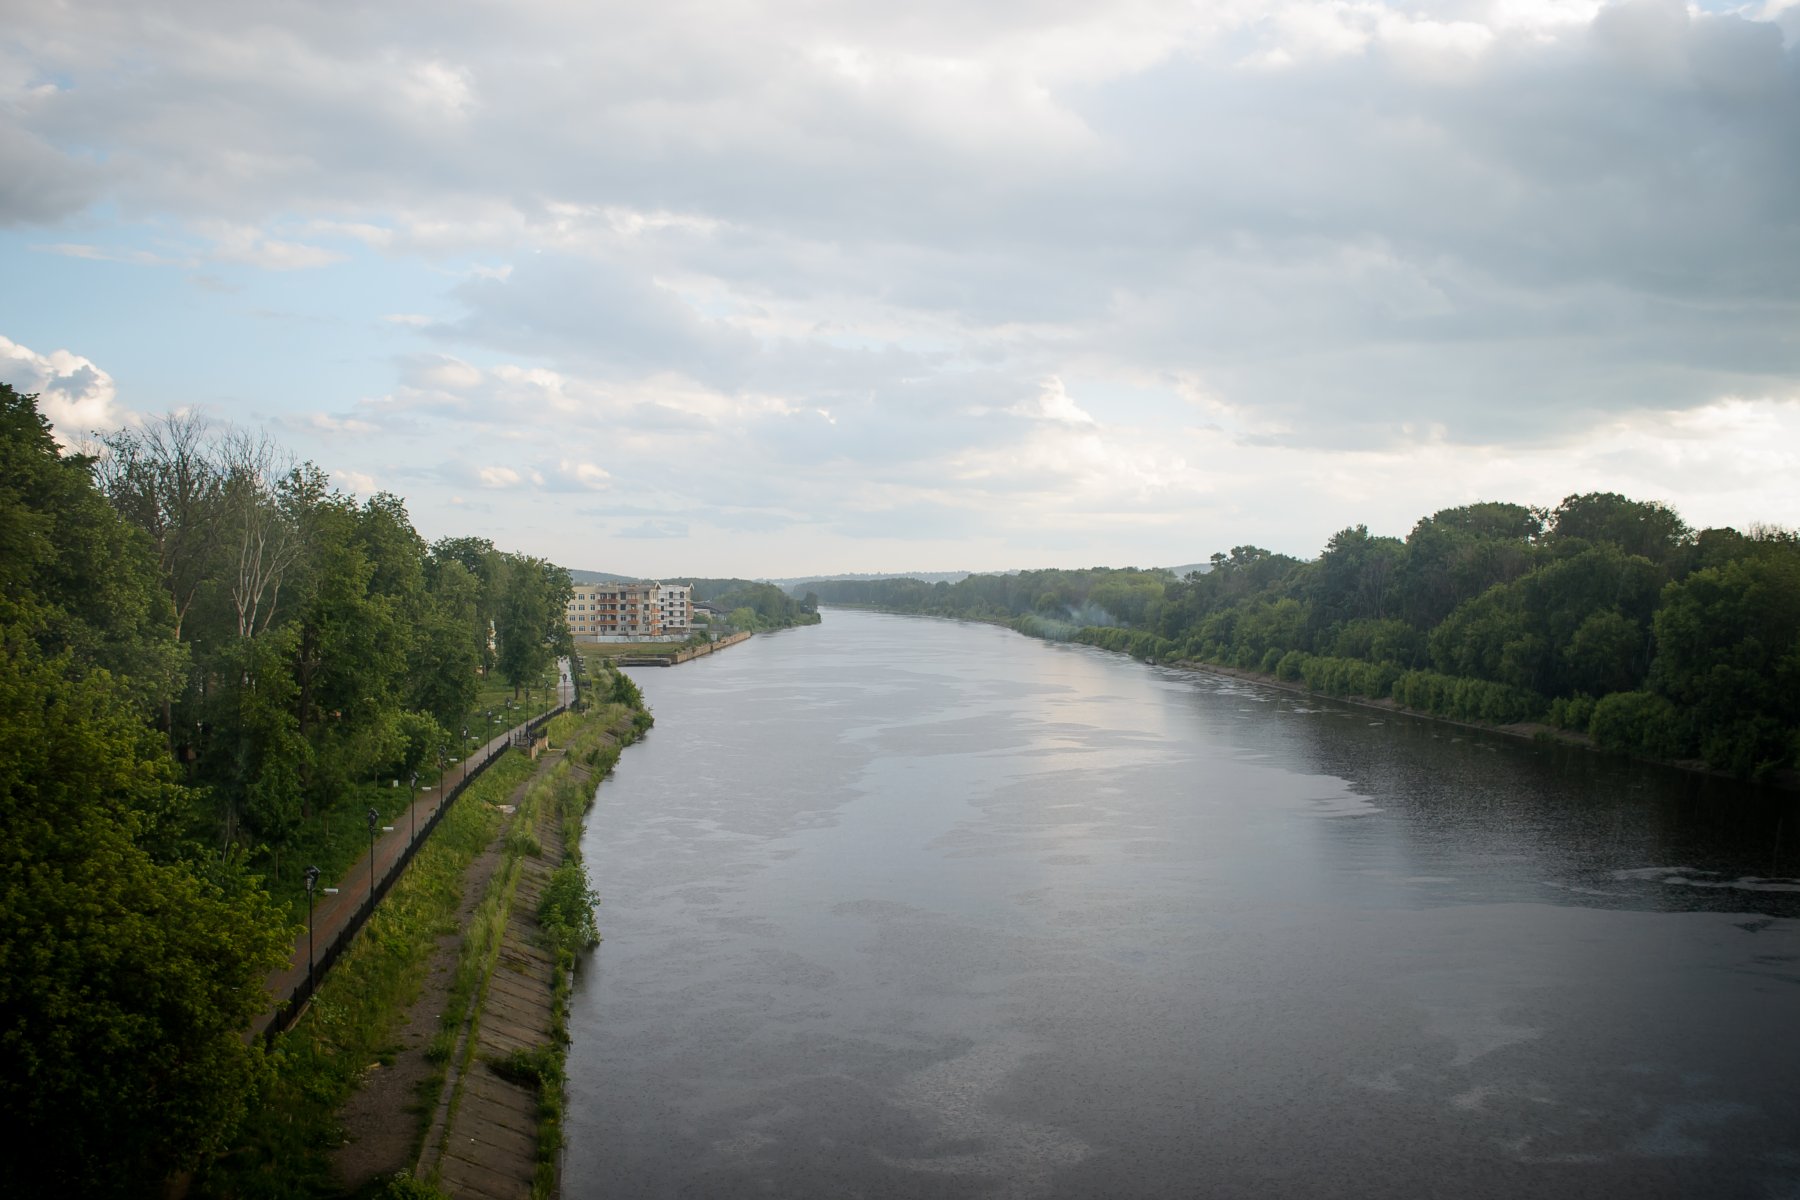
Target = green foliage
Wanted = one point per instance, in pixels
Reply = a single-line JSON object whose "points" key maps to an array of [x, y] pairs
{"points": [[130, 961], [531, 629], [566, 911], [1518, 612], [1333, 676], [1573, 713], [1466, 699], [537, 1068], [285, 1147], [1728, 653], [1640, 723], [405, 1186]]}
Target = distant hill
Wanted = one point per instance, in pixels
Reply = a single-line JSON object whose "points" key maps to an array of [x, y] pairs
{"points": [[600, 577], [924, 576], [1184, 572]]}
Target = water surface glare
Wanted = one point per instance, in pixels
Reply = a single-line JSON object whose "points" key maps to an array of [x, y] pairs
{"points": [[897, 907]]}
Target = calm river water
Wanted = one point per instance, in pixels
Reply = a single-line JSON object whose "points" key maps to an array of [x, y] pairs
{"points": [[897, 907]]}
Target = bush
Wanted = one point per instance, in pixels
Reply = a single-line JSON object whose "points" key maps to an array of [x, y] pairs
{"points": [[535, 1068], [1572, 712], [566, 912], [1464, 699], [1638, 723], [1348, 676], [405, 1186]]}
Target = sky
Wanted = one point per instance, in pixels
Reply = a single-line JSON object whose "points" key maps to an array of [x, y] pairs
{"points": [[764, 288]]}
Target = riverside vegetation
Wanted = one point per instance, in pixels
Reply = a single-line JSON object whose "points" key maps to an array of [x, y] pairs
{"points": [[284, 1149], [211, 665], [1604, 616]]}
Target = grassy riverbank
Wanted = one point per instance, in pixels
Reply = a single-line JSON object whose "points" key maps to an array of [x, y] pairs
{"points": [[536, 918], [350, 1036], [285, 1146]]}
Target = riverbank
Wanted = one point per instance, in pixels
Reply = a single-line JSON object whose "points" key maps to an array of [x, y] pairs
{"points": [[1786, 781], [495, 1125], [1532, 730], [651, 654]]}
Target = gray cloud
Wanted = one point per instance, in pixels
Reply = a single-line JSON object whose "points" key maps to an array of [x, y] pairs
{"points": [[761, 261]]}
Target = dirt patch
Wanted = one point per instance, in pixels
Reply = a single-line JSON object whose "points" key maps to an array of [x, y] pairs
{"points": [[386, 1117]]}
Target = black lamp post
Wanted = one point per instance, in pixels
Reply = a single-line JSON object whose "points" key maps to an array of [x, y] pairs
{"points": [[312, 879], [374, 820], [413, 809], [465, 750], [490, 734]]}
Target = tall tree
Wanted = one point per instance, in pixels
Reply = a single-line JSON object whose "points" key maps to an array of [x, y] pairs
{"points": [[129, 963]]}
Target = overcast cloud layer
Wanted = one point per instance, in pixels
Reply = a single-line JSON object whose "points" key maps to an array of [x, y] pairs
{"points": [[771, 288]]}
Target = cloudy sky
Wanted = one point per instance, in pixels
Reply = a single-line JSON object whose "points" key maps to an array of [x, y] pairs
{"points": [[782, 286]]}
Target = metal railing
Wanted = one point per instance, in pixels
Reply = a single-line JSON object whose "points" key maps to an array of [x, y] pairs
{"points": [[288, 1010]]}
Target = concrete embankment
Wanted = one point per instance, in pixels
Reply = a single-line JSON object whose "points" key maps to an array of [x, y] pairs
{"points": [[484, 1136], [685, 654], [495, 1129]]}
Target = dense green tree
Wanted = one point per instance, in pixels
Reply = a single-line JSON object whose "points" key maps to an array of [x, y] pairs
{"points": [[531, 628], [1646, 529], [1728, 655], [130, 962], [1568, 614]]}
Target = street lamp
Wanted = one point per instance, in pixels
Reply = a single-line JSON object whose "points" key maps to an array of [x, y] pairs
{"points": [[413, 810], [490, 734], [312, 879], [374, 820], [465, 750]]}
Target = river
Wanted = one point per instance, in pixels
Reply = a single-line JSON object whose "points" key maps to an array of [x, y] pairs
{"points": [[899, 907]]}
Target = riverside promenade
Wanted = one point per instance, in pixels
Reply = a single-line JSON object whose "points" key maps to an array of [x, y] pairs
{"points": [[333, 914]]}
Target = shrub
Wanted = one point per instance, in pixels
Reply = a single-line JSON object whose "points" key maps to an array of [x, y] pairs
{"points": [[1572, 712], [566, 912], [1638, 723], [1466, 699]]}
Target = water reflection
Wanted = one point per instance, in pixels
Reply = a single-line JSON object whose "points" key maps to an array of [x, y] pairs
{"points": [[916, 908]]}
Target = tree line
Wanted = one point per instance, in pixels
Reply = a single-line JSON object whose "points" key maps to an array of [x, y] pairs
{"points": [[757, 607], [208, 651], [1604, 615]]}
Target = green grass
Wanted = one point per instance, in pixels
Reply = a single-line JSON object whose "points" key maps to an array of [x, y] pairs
{"points": [[592, 741], [284, 1148]]}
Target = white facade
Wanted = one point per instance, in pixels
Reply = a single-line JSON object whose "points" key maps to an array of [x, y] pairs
{"points": [[624, 612]]}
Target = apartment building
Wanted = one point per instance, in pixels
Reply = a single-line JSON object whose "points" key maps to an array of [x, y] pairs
{"points": [[627, 612]]}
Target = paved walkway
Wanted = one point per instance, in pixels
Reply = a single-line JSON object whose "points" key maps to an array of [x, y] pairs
{"points": [[331, 914]]}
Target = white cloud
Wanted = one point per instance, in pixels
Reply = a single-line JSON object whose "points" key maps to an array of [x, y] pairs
{"points": [[141, 258], [358, 482], [499, 477], [329, 423], [252, 247], [74, 395]]}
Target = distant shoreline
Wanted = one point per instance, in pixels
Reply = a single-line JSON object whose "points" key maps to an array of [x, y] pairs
{"points": [[1780, 781], [1537, 731]]}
